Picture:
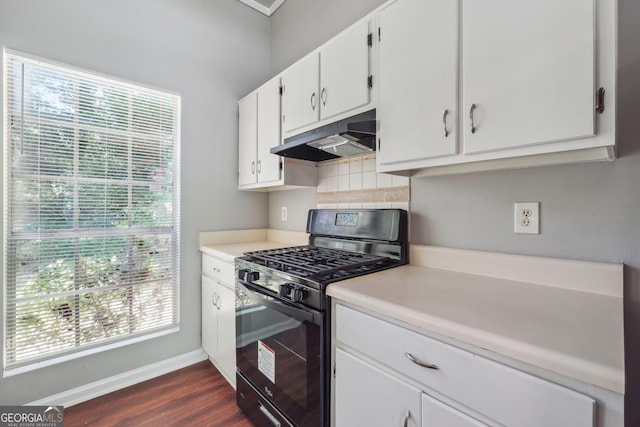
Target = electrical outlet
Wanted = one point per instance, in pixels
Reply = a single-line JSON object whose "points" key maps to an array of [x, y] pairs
{"points": [[526, 218], [284, 213]]}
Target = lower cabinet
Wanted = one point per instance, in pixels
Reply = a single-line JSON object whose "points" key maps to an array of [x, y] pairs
{"points": [[377, 398], [367, 396], [386, 375], [218, 322], [437, 414]]}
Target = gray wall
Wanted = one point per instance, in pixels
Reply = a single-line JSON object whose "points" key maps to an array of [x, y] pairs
{"points": [[588, 211], [213, 53], [299, 26]]}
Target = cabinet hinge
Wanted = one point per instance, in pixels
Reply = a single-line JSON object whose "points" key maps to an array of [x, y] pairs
{"points": [[281, 90], [281, 164], [370, 82], [379, 33], [379, 144], [600, 100], [369, 39]]}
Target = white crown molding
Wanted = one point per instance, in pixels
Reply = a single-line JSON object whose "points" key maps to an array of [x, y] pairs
{"points": [[261, 8]]}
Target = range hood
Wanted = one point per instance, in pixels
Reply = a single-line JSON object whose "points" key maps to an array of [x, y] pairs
{"points": [[354, 135]]}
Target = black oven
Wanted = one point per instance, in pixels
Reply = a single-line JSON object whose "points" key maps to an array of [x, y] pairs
{"points": [[283, 312], [281, 353]]}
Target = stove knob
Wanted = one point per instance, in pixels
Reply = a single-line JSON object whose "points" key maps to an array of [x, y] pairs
{"points": [[248, 275], [297, 295], [285, 290]]}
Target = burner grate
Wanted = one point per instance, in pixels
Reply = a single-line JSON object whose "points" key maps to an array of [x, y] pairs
{"points": [[318, 261]]}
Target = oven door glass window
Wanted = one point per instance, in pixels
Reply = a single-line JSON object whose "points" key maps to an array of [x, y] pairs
{"points": [[278, 348]]}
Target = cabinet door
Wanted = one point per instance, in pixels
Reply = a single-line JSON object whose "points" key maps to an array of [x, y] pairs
{"points": [[417, 80], [300, 97], [227, 330], [528, 67], [247, 138], [344, 70], [209, 317], [437, 414], [268, 165], [368, 396]]}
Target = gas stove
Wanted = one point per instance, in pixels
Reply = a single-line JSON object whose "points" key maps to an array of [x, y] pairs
{"points": [[283, 319]]}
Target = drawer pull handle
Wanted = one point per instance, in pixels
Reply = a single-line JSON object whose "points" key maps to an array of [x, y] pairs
{"points": [[269, 415], [407, 417], [419, 363]]}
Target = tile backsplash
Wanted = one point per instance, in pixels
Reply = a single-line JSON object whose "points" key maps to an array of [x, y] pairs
{"points": [[354, 183]]}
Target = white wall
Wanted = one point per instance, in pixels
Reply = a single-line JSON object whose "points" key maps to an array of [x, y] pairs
{"points": [[213, 53], [588, 211]]}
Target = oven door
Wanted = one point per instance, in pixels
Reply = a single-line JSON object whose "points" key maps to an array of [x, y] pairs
{"points": [[279, 351]]}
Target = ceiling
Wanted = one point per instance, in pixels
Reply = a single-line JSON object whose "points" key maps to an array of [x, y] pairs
{"points": [[265, 6]]}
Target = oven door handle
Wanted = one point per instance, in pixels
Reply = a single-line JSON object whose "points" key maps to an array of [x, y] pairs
{"points": [[305, 315]]}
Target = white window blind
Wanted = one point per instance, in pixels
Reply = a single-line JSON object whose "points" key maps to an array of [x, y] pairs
{"points": [[91, 210]]}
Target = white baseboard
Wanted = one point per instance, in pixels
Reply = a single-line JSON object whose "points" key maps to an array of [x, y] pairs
{"points": [[101, 387]]}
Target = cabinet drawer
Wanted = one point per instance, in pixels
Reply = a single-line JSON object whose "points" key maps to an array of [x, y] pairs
{"points": [[504, 394], [218, 269]]}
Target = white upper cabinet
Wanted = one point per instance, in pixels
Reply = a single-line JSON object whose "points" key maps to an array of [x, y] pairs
{"points": [[300, 96], [417, 80], [258, 132], [268, 165], [344, 71], [519, 81], [329, 82], [529, 71], [248, 138]]}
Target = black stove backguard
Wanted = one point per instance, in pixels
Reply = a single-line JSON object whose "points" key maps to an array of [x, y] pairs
{"points": [[361, 224]]}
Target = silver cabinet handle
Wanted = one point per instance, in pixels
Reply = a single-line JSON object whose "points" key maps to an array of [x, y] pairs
{"points": [[473, 108], [407, 417], [218, 305], [313, 101], [259, 166], [253, 168], [213, 300], [444, 123], [419, 363], [323, 96]]}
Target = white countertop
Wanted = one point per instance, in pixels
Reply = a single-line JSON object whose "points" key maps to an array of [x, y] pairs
{"points": [[229, 245], [560, 315], [574, 333]]}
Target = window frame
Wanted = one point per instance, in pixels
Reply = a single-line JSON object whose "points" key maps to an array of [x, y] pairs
{"points": [[12, 367]]}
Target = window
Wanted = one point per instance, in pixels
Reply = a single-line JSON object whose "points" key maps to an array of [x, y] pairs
{"points": [[91, 210]]}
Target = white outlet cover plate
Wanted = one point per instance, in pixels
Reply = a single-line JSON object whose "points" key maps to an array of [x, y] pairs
{"points": [[284, 213], [526, 216]]}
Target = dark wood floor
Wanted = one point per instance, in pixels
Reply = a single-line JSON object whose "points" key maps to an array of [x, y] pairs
{"points": [[197, 395]]}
